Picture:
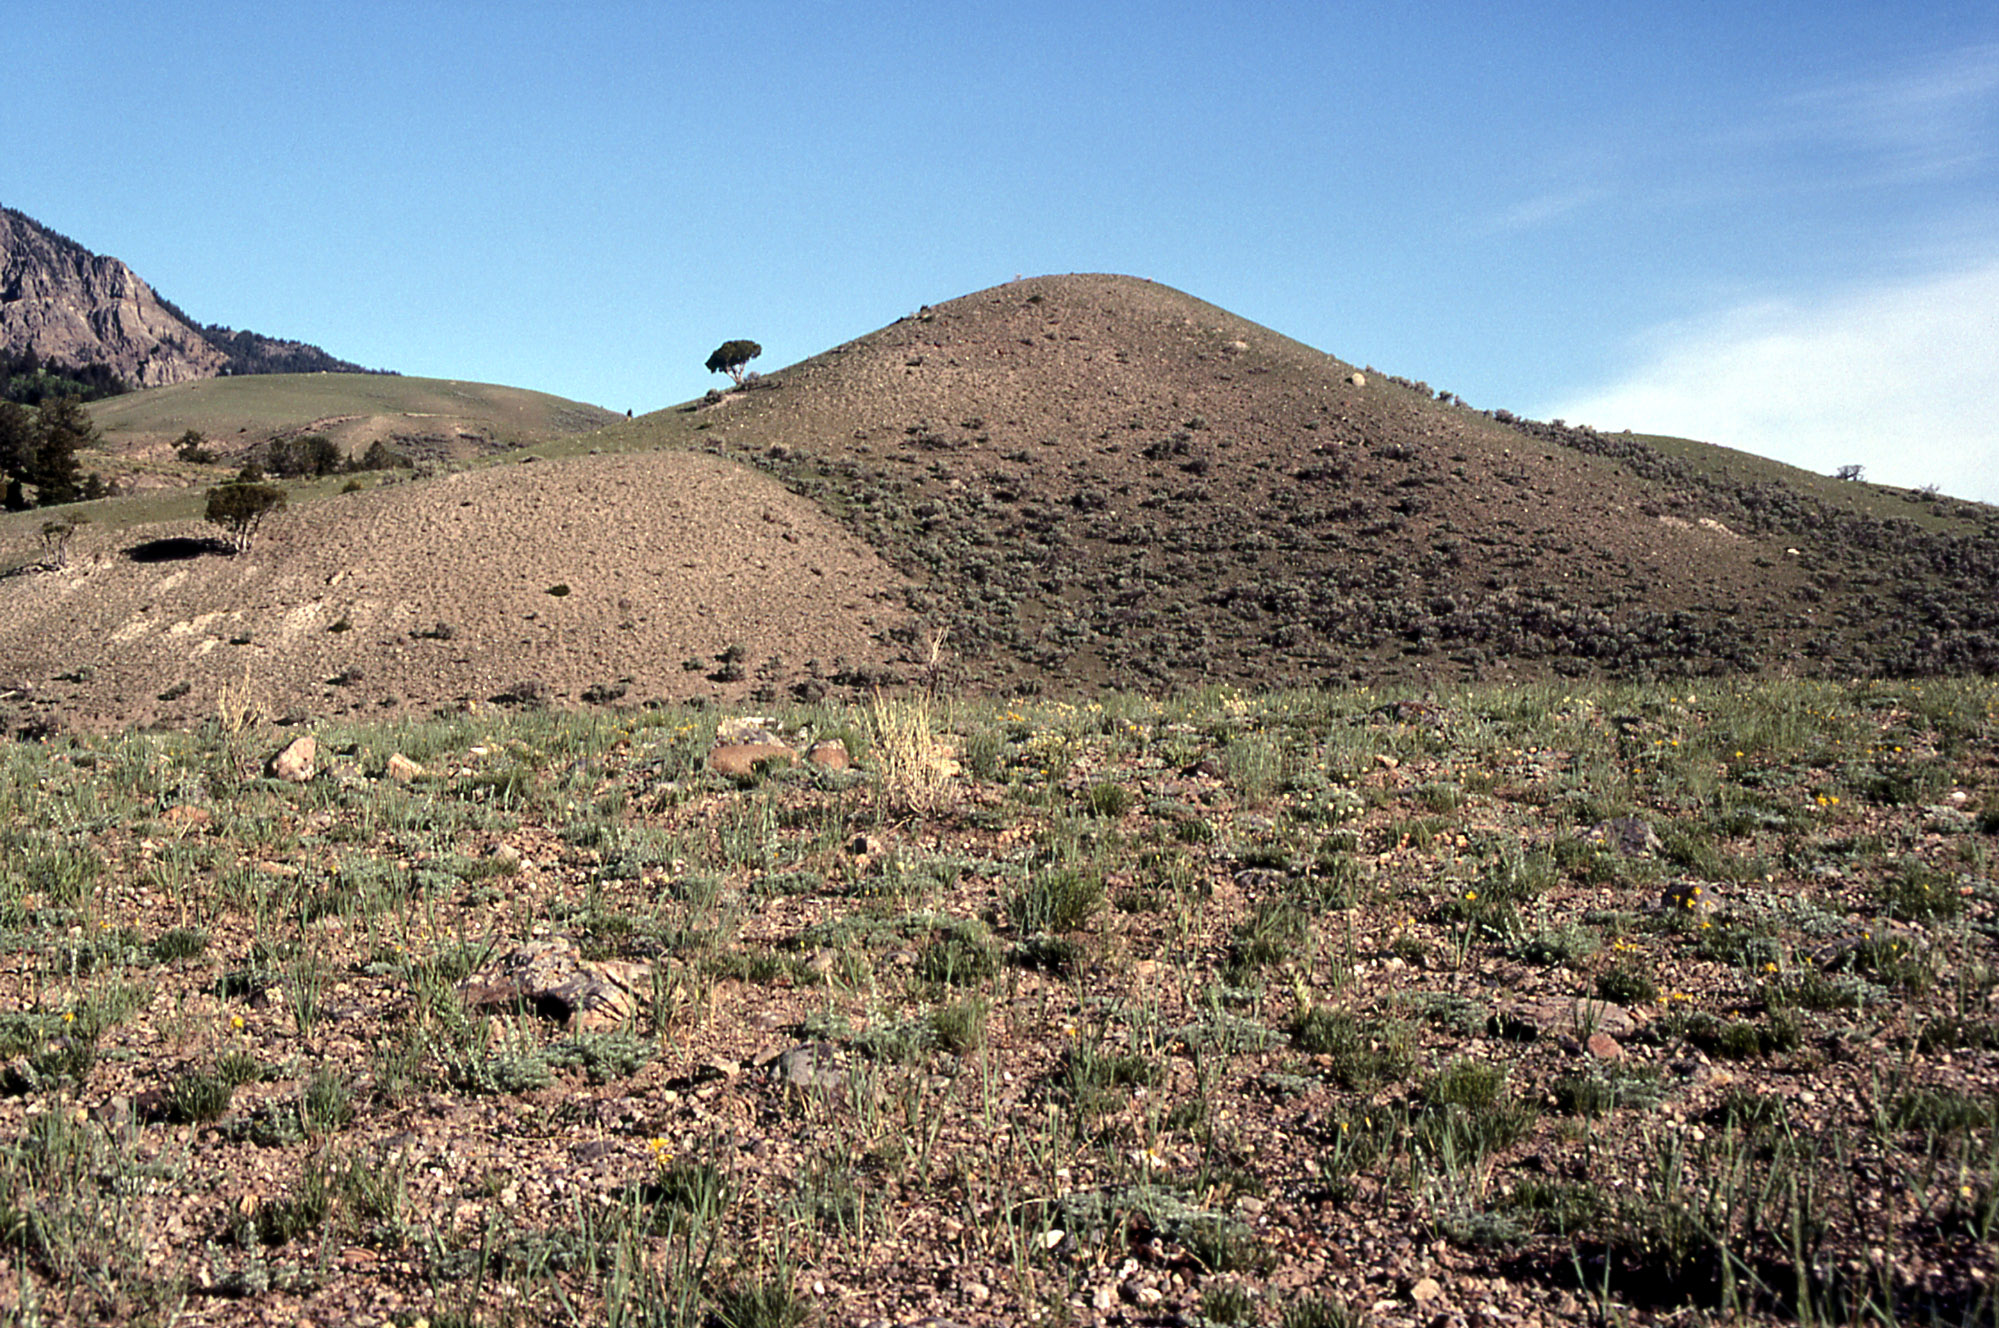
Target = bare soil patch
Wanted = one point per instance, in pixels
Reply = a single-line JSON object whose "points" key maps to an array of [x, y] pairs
{"points": [[556, 577]]}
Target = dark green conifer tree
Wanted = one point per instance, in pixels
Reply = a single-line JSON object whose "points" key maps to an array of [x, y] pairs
{"points": [[64, 428]]}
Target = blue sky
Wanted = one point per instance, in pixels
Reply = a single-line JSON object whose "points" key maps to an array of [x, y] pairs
{"points": [[1774, 226]]}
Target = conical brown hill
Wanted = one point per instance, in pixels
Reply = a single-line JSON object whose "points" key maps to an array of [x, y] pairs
{"points": [[1098, 479], [598, 577]]}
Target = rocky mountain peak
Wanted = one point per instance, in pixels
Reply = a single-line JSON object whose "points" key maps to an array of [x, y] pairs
{"points": [[74, 307]]}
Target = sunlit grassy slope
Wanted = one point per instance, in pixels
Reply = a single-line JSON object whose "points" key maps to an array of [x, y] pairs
{"points": [[347, 407]]}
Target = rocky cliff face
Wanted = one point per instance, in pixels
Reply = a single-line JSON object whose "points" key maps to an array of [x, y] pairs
{"points": [[74, 307]]}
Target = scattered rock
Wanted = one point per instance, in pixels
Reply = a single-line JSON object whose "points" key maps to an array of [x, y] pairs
{"points": [[403, 770], [298, 762], [1628, 835], [1687, 897], [1424, 1289], [810, 1066], [1556, 1016], [185, 817], [830, 754], [552, 976], [1604, 1047], [1357, 378]]}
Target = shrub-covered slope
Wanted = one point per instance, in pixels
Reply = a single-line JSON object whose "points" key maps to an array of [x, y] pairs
{"points": [[1100, 479]]}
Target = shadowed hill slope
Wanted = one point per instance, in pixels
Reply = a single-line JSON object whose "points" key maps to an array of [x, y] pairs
{"points": [[1099, 479]]}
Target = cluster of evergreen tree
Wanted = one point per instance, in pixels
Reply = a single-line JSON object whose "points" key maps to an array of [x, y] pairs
{"points": [[252, 353], [314, 454], [28, 380], [38, 452]]}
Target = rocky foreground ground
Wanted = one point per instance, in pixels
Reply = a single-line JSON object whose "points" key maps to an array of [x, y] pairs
{"points": [[1502, 1007]]}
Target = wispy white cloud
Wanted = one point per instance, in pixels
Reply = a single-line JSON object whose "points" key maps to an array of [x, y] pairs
{"points": [[1543, 209], [1902, 379], [1922, 122]]}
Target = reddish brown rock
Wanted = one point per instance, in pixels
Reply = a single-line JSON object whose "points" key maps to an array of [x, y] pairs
{"points": [[1605, 1047], [71, 306], [185, 816], [741, 760]]}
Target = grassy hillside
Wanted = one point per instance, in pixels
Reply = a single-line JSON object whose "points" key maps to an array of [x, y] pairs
{"points": [[425, 418], [1881, 502], [1606, 1004]]}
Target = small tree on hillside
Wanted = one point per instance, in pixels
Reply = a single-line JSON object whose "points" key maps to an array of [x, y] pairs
{"points": [[240, 508], [18, 441], [731, 356], [56, 535], [64, 427]]}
